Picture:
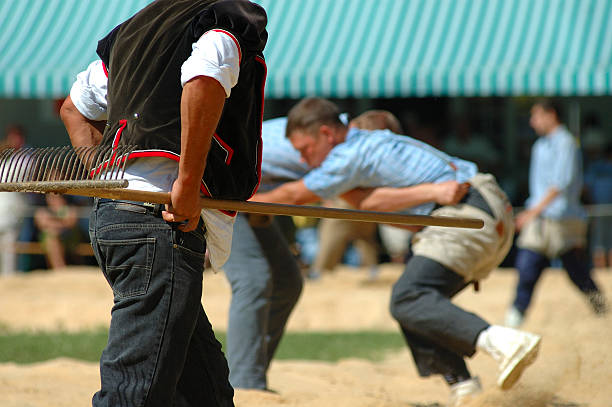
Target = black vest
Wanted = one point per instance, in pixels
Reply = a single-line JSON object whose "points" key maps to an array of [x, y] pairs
{"points": [[143, 56]]}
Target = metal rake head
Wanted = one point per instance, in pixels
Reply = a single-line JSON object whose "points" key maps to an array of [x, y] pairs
{"points": [[63, 163]]}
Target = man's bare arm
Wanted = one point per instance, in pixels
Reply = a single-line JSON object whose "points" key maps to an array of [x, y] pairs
{"points": [[82, 131], [201, 106], [293, 193], [387, 199]]}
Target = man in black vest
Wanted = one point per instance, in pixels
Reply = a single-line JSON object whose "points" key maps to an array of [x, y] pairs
{"points": [[180, 79]]}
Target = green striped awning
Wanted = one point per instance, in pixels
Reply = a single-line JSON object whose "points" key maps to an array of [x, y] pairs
{"points": [[351, 48], [45, 43], [400, 48]]}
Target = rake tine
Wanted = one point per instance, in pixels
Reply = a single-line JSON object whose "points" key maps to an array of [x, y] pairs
{"points": [[98, 162], [106, 162], [31, 171], [94, 162], [44, 163], [20, 158], [39, 169], [111, 163], [52, 165], [4, 159], [118, 154], [65, 164], [13, 162], [51, 173], [91, 154], [121, 157], [81, 163], [125, 160], [76, 161], [62, 161], [120, 162], [24, 166]]}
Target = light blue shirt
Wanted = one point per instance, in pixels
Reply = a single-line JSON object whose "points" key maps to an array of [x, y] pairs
{"points": [[556, 162], [280, 161], [381, 158]]}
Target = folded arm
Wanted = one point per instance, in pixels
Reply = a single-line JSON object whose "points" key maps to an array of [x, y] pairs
{"points": [[387, 199], [293, 193]]}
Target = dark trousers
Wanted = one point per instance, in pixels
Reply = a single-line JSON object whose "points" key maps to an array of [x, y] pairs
{"points": [[531, 264], [161, 348], [439, 333]]}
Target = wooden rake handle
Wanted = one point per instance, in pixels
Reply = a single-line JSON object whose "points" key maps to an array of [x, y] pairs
{"points": [[117, 190]]}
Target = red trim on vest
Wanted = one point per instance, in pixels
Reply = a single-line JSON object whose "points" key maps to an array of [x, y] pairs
{"points": [[123, 124], [156, 153], [105, 70], [229, 152], [233, 39], [260, 144]]}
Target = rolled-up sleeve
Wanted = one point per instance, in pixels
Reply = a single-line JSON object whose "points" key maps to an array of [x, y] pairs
{"points": [[217, 55], [88, 93]]}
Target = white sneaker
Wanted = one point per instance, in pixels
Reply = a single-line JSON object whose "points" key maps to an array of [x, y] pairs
{"points": [[514, 350], [462, 392], [514, 318]]}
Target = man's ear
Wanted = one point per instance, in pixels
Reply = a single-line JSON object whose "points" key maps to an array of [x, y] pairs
{"points": [[328, 132]]}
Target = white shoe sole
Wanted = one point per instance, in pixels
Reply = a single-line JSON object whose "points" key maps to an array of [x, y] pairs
{"points": [[523, 357]]}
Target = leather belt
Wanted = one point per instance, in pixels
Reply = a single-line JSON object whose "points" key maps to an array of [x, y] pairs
{"points": [[475, 199]]}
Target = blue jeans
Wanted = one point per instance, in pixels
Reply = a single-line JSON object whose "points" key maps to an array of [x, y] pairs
{"points": [[161, 348], [266, 284]]}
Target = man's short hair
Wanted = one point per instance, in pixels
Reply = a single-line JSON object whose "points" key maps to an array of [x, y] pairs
{"points": [[550, 105], [378, 120], [310, 114]]}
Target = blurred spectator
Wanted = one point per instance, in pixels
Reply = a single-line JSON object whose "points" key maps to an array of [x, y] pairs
{"points": [[335, 236], [14, 136], [553, 225], [11, 207], [462, 142], [598, 189], [58, 223]]}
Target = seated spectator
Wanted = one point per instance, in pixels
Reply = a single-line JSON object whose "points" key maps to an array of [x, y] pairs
{"points": [[59, 229]]}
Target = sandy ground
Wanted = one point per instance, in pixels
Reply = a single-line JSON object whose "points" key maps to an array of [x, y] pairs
{"points": [[574, 368]]}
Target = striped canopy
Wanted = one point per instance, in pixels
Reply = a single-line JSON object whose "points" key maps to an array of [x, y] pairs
{"points": [[351, 48]]}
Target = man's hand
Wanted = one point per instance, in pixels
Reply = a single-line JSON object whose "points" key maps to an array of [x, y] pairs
{"points": [[185, 207], [451, 192], [524, 217]]}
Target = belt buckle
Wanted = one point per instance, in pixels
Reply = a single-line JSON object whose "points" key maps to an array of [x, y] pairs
{"points": [[155, 208]]}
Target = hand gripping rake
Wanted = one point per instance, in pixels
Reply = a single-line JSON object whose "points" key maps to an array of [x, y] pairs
{"points": [[98, 172]]}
